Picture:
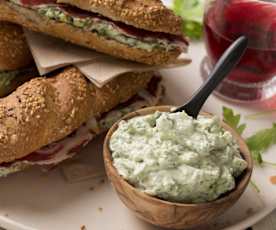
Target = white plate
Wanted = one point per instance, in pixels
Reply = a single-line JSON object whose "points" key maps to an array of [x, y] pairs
{"points": [[35, 200]]}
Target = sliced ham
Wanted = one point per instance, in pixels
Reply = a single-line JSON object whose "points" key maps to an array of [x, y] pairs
{"points": [[37, 2]]}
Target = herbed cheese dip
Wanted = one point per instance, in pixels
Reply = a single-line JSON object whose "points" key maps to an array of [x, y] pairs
{"points": [[177, 158]]}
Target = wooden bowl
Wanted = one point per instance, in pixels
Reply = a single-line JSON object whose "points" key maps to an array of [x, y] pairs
{"points": [[168, 214]]}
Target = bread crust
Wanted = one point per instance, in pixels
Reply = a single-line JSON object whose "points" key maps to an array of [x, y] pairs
{"points": [[150, 15], [33, 21], [14, 51], [45, 110]]}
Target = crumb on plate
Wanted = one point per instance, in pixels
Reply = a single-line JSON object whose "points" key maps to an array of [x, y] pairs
{"points": [[273, 180]]}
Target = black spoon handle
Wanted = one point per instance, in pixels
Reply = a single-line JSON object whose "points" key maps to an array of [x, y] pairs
{"points": [[226, 63]]}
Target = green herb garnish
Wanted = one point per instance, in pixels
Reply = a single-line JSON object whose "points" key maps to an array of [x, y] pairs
{"points": [[261, 142], [258, 143], [254, 185], [233, 120], [192, 13]]}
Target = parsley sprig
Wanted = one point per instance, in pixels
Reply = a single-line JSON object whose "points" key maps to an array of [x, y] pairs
{"points": [[233, 120], [259, 142]]}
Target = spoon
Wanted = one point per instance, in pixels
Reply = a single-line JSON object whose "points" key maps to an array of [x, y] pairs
{"points": [[224, 66]]}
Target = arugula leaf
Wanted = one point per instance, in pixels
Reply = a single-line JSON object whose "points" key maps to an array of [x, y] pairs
{"points": [[261, 142], [233, 120], [192, 13]]}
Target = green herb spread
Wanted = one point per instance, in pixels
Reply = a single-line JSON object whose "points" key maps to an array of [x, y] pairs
{"points": [[177, 158], [106, 29], [7, 76]]}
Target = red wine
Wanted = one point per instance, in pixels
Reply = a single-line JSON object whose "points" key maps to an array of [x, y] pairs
{"points": [[226, 20]]}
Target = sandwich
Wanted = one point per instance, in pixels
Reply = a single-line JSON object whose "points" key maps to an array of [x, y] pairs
{"points": [[16, 62], [46, 120], [141, 31], [49, 119]]}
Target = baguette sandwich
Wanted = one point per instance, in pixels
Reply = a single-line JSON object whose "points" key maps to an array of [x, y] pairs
{"points": [[48, 119], [45, 120], [137, 30]]}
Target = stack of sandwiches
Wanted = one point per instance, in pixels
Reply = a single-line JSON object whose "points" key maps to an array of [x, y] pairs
{"points": [[46, 120]]}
